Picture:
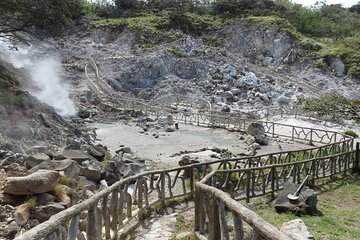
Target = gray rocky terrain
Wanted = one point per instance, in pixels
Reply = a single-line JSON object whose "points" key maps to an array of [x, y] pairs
{"points": [[63, 159]]}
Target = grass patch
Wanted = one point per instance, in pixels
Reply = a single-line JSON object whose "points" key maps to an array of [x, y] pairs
{"points": [[31, 202], [182, 225], [339, 203], [346, 49], [176, 52], [9, 98], [351, 133], [213, 42], [64, 181]]}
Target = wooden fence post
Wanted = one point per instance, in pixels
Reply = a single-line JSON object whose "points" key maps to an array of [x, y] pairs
{"points": [[357, 157], [214, 224]]}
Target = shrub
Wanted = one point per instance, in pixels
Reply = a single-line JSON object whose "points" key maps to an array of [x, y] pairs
{"points": [[31, 202], [9, 98], [351, 133]]}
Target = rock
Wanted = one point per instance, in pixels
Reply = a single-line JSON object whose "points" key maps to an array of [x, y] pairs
{"points": [[37, 149], [306, 204], [248, 139], [62, 195], [258, 131], [33, 223], [225, 108], [130, 169], [252, 149], [76, 155], [337, 65], [44, 198], [91, 185], [296, 230], [36, 159], [96, 153], [249, 81], [184, 235], [124, 150], [92, 170], [73, 144], [9, 231], [187, 160], [169, 129], [21, 131], [43, 213], [69, 167], [83, 113], [228, 71], [263, 97], [283, 100], [2, 213], [39, 182], [22, 214], [12, 200], [166, 120]]}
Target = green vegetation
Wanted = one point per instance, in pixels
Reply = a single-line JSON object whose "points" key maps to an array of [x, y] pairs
{"points": [[339, 206], [12, 99], [23, 15], [176, 52], [65, 181], [325, 31], [213, 42], [182, 225], [107, 156], [334, 106], [31, 202], [351, 133]]}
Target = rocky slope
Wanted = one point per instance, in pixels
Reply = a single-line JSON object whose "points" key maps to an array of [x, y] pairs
{"points": [[239, 67], [252, 66]]}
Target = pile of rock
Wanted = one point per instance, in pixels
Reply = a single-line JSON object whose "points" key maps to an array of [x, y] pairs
{"points": [[35, 187], [152, 127], [124, 164]]}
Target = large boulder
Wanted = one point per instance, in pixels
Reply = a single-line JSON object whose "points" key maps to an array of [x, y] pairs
{"points": [[166, 120], [121, 167], [34, 160], [76, 155], [39, 182], [9, 231], [258, 131], [96, 152], [187, 160], [43, 213], [69, 167], [91, 169], [306, 203], [22, 214], [296, 230]]}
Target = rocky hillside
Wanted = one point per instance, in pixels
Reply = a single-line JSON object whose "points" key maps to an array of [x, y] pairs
{"points": [[241, 65]]}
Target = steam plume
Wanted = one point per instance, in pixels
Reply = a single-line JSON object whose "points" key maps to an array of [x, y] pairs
{"points": [[45, 81]]}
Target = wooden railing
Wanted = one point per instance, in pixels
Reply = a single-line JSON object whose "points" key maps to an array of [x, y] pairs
{"points": [[104, 215], [212, 220]]}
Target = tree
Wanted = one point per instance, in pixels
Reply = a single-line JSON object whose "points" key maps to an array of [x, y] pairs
{"points": [[355, 8], [22, 15]]}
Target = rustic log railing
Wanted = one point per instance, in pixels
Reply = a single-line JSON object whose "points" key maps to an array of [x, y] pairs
{"points": [[212, 220], [104, 215]]}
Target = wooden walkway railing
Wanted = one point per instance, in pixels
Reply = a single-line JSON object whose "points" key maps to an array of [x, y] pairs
{"points": [[212, 220], [106, 213]]}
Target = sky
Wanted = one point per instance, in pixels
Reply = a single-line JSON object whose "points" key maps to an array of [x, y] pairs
{"points": [[345, 3]]}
